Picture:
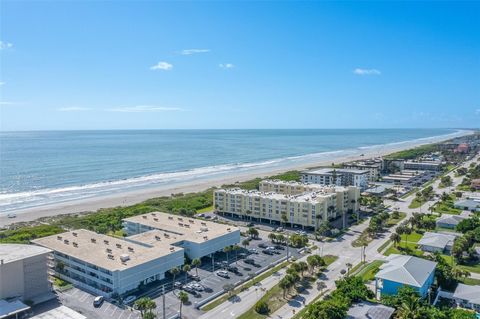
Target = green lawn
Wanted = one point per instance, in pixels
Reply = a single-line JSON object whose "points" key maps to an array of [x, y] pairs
{"points": [[368, 272], [411, 250], [416, 203], [470, 281], [384, 245], [412, 238], [329, 259], [470, 267], [205, 210], [393, 221]]}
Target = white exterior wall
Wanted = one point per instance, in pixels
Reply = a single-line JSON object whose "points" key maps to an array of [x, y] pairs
{"points": [[198, 250]]}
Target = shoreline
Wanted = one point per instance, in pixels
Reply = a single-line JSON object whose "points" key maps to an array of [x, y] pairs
{"points": [[90, 205]]}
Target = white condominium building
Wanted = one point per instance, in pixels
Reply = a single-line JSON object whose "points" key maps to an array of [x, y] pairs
{"points": [[288, 188], [105, 265], [306, 210], [198, 238], [373, 167], [339, 177], [157, 242]]}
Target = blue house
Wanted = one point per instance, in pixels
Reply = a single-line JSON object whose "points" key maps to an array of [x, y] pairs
{"points": [[402, 270]]}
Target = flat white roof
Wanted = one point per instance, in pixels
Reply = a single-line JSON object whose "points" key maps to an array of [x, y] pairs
{"points": [[316, 196], [329, 171], [61, 312], [95, 249], [13, 252], [192, 229]]}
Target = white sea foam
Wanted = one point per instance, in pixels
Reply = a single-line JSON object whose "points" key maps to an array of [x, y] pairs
{"points": [[14, 201]]}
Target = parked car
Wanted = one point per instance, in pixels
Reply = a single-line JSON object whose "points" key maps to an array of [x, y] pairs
{"points": [[197, 287], [232, 269], [129, 299], [242, 255], [262, 245], [253, 251], [194, 277], [201, 215], [279, 229], [279, 247], [97, 302], [249, 261], [177, 285], [270, 248], [267, 252], [189, 289], [223, 274], [250, 224]]}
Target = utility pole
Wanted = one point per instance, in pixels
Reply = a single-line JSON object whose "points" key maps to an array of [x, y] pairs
{"points": [[163, 300]]}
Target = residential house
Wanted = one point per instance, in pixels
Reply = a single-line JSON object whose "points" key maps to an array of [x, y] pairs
{"points": [[468, 204], [436, 242], [404, 270], [369, 310], [449, 221], [467, 296]]}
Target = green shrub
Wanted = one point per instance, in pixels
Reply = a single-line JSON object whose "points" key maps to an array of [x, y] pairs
{"points": [[261, 307]]}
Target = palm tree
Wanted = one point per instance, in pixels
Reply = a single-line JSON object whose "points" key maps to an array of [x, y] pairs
{"points": [[407, 231], [235, 248], [197, 262], [285, 284], [174, 271], [226, 250], [183, 297], [186, 268], [145, 305], [272, 237], [245, 243], [410, 308], [396, 238], [302, 266]]}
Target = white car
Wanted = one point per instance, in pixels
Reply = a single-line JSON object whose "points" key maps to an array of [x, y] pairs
{"points": [[97, 302], [253, 251], [197, 287], [129, 299], [222, 273]]}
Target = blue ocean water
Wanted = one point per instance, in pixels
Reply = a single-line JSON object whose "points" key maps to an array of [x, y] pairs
{"points": [[38, 168]]}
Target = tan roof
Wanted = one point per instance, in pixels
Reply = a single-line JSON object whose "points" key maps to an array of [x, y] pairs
{"points": [[104, 251], [194, 230]]}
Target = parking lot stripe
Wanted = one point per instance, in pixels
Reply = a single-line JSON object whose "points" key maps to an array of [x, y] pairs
{"points": [[107, 307], [114, 310], [83, 297]]}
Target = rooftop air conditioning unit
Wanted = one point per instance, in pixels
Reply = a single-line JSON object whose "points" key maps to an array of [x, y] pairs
{"points": [[124, 257]]}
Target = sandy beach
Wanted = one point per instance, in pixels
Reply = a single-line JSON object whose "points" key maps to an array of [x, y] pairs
{"points": [[133, 197]]}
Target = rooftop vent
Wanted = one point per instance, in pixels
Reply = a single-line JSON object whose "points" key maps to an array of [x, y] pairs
{"points": [[172, 248], [205, 237], [108, 250], [228, 229], [144, 216], [75, 244], [59, 237], [66, 241], [180, 218], [105, 242], [166, 235], [118, 245], [93, 240], [130, 249], [155, 219], [170, 217], [157, 237], [204, 224], [153, 214], [180, 224], [187, 225], [110, 256], [124, 257], [191, 221], [74, 234]]}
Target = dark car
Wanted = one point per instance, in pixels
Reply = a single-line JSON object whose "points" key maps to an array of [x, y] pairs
{"points": [[250, 224], [262, 245], [242, 255], [279, 247], [268, 252], [232, 269], [249, 261], [190, 290]]}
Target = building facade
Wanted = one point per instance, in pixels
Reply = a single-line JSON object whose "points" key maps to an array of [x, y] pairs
{"points": [[373, 167], [24, 272], [339, 177], [305, 209], [423, 166]]}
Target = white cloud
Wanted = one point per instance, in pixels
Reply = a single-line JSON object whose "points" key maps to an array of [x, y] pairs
{"points": [[193, 51], [73, 109], [162, 65], [5, 45], [226, 65], [359, 71], [8, 103], [477, 112], [145, 108], [2, 83]]}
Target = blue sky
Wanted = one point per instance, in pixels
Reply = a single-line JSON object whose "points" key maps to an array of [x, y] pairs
{"points": [[134, 65]]}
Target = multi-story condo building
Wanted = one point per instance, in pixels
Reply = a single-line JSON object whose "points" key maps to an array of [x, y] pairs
{"points": [[288, 188], [339, 177], [198, 238], [107, 265], [423, 166], [24, 273], [373, 167], [303, 209]]}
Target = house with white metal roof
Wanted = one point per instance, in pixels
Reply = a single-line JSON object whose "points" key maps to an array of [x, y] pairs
{"points": [[467, 296], [468, 204], [436, 242], [369, 310], [449, 221], [403, 270]]}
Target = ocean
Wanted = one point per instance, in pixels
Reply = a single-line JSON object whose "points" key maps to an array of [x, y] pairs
{"points": [[40, 168]]}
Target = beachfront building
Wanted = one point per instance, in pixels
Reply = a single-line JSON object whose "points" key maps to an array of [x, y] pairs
{"points": [[372, 166], [198, 238], [406, 177], [106, 265], [423, 165], [306, 209], [24, 273], [336, 176], [404, 270], [288, 187]]}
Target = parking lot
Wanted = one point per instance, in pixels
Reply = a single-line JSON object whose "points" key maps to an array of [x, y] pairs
{"points": [[82, 302], [208, 283]]}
